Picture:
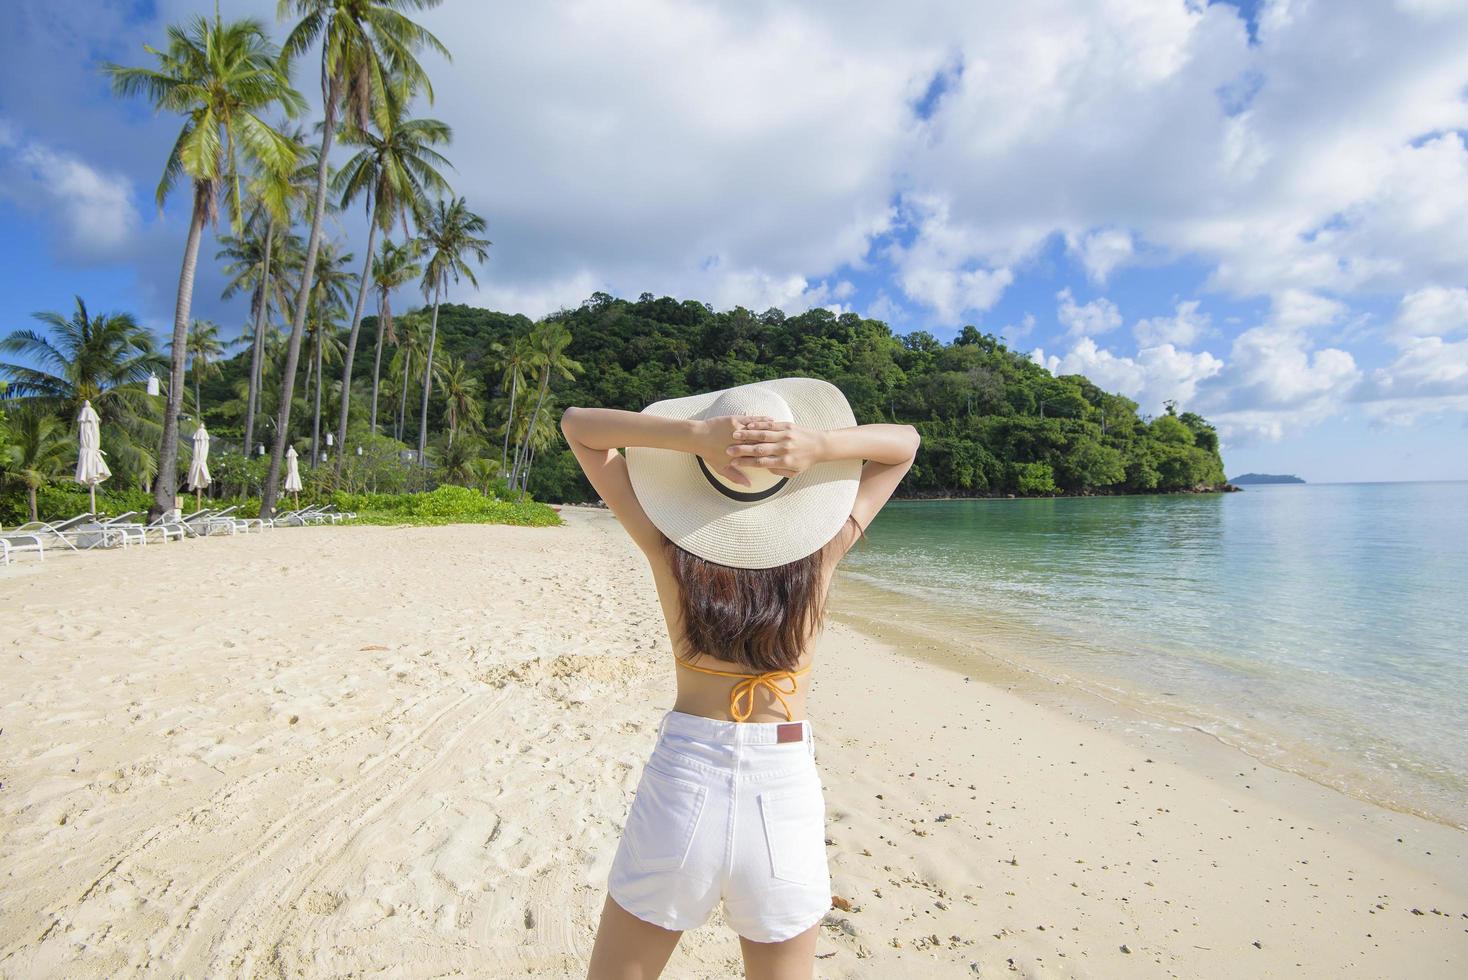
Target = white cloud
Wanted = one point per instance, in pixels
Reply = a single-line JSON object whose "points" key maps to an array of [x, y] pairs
{"points": [[92, 209], [1017, 331], [1088, 319], [1102, 252], [1274, 368], [1183, 329], [1297, 309], [937, 268], [640, 139], [1154, 376], [1432, 311]]}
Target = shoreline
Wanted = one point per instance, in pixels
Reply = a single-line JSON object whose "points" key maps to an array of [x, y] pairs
{"points": [[1204, 753], [1103, 699]]}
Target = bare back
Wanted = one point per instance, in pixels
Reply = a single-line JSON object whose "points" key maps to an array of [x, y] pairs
{"points": [[708, 694]]}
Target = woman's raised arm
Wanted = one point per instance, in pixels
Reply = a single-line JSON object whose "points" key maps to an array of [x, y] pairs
{"points": [[595, 435], [787, 449]]}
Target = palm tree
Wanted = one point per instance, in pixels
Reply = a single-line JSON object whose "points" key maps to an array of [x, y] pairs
{"points": [[322, 329], [396, 265], [393, 172], [461, 392], [204, 349], [330, 293], [364, 44], [514, 360], [548, 342], [543, 432], [219, 77], [482, 473], [40, 449], [254, 262], [105, 359], [457, 459], [410, 348], [274, 194], [449, 233]]}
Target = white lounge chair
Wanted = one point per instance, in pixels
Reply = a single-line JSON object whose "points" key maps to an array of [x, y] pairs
{"points": [[80, 533], [15, 543]]}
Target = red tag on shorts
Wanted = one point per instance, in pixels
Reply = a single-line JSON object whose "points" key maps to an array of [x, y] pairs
{"points": [[792, 732]]}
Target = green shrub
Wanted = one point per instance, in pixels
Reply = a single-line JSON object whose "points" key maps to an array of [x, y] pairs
{"points": [[448, 504], [1034, 479]]}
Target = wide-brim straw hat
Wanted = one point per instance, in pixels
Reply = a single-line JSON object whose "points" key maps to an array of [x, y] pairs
{"points": [[775, 520]]}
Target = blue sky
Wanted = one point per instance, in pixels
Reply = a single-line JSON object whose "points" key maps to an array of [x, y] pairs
{"points": [[1258, 209]]}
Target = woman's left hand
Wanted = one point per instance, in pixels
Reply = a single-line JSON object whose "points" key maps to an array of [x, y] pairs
{"points": [[783, 448]]}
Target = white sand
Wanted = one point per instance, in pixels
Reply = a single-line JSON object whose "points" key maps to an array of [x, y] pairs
{"points": [[350, 751]]}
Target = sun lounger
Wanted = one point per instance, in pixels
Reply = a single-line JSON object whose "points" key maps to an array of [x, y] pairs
{"points": [[80, 533], [16, 542], [161, 527]]}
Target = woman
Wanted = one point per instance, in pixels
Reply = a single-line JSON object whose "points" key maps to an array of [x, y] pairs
{"points": [[743, 501]]}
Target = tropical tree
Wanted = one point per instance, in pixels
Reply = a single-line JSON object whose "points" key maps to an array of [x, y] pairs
{"points": [[330, 293], [256, 259], [396, 265], [482, 474], [219, 76], [39, 452], [461, 391], [105, 359], [543, 431], [513, 359], [204, 350], [548, 342], [364, 45], [450, 233], [322, 329], [456, 459], [412, 339], [393, 173]]}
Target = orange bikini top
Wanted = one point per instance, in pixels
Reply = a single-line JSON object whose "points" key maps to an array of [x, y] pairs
{"points": [[745, 688]]}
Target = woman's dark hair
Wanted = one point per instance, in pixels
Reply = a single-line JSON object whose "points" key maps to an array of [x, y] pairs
{"points": [[757, 617]]}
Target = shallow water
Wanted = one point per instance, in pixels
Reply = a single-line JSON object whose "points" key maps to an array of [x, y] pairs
{"points": [[1320, 627]]}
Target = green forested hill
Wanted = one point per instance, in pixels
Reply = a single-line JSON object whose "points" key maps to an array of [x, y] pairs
{"points": [[993, 421]]}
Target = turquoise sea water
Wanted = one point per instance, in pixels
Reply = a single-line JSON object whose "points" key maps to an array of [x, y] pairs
{"points": [[1322, 627]]}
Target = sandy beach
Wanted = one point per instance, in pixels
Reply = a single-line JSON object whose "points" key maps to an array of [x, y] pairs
{"points": [[354, 751]]}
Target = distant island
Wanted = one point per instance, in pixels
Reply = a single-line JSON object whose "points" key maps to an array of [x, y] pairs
{"points": [[1249, 478]]}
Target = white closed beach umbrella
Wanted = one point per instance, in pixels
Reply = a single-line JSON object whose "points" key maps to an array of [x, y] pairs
{"points": [[199, 467], [292, 473], [91, 468]]}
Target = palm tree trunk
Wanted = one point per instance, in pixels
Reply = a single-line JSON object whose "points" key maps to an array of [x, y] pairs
{"points": [[528, 464], [31, 495], [427, 378], [376, 369], [252, 401], [534, 420], [310, 370], [165, 483], [316, 418], [298, 322], [346, 395], [505, 452], [403, 395]]}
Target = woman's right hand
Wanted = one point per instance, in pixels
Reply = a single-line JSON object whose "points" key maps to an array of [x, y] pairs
{"points": [[712, 439]]}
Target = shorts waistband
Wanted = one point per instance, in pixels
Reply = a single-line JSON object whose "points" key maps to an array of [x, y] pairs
{"points": [[735, 732]]}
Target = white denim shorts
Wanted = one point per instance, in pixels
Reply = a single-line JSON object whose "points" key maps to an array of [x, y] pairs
{"points": [[725, 810]]}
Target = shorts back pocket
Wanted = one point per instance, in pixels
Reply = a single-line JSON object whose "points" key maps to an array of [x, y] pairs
{"points": [[795, 831], [664, 815]]}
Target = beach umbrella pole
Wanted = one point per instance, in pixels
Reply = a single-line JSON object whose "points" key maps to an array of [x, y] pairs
{"points": [[93, 488]]}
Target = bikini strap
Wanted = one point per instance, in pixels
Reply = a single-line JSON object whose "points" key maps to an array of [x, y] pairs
{"points": [[744, 690]]}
